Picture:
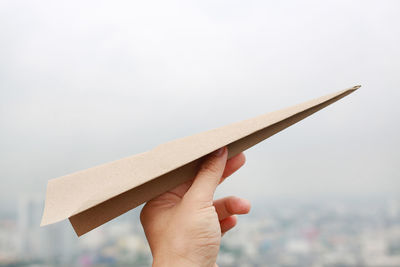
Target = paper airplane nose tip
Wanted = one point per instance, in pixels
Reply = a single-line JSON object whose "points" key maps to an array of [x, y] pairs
{"points": [[356, 87]]}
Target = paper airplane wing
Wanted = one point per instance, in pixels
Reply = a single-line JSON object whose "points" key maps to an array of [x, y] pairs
{"points": [[91, 197]]}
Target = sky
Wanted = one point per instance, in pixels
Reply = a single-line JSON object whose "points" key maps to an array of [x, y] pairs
{"points": [[87, 82]]}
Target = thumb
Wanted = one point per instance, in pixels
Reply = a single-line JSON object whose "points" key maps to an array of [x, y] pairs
{"points": [[208, 177]]}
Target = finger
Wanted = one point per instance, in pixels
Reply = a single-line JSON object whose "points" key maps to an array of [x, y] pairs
{"points": [[229, 206], [232, 165], [207, 179], [227, 224], [181, 189]]}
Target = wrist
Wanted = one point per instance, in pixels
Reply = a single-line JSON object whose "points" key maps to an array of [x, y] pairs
{"points": [[173, 261]]}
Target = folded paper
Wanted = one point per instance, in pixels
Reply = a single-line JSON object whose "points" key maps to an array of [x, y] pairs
{"points": [[91, 197]]}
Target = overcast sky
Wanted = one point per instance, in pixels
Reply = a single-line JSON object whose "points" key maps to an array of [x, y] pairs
{"points": [[86, 82]]}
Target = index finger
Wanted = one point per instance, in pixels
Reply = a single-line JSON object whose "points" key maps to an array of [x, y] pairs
{"points": [[233, 164]]}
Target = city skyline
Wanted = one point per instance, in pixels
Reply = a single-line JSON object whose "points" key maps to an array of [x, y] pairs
{"points": [[332, 232]]}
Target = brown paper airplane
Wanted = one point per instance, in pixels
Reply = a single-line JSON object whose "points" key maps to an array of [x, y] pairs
{"points": [[94, 196]]}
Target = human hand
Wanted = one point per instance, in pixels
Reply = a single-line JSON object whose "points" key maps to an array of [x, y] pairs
{"points": [[184, 226]]}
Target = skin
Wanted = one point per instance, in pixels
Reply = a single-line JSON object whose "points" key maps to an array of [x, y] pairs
{"points": [[184, 226]]}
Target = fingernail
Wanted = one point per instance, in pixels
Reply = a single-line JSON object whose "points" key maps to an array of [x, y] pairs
{"points": [[219, 152]]}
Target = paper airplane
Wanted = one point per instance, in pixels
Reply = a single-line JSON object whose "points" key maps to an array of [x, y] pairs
{"points": [[94, 196]]}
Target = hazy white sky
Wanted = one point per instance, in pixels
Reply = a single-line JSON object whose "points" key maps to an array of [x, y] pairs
{"points": [[87, 82]]}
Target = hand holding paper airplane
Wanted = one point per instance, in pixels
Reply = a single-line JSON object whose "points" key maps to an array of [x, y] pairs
{"points": [[184, 225]]}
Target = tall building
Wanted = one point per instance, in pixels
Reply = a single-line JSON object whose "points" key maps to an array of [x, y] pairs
{"points": [[50, 244], [30, 241]]}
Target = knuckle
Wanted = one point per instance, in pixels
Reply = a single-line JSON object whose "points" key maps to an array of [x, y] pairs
{"points": [[209, 168], [143, 214], [228, 206]]}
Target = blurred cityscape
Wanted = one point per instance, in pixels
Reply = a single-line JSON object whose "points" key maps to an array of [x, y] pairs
{"points": [[283, 232]]}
